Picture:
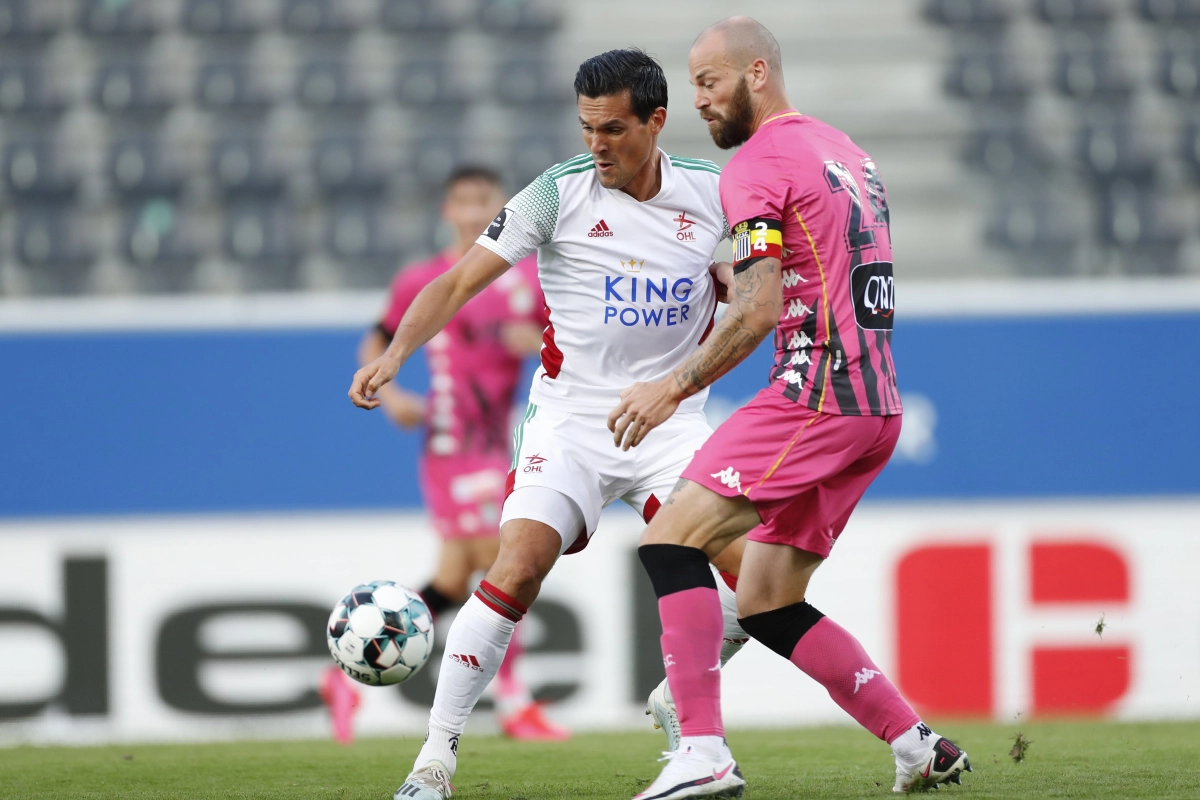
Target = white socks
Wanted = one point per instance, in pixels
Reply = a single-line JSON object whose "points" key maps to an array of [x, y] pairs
{"points": [[733, 637], [711, 747], [913, 745], [475, 647]]}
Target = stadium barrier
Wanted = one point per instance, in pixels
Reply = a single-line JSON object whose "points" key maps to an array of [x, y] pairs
{"points": [[213, 627], [186, 492]]}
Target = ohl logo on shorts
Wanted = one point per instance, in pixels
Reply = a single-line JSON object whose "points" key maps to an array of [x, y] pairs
{"points": [[535, 463]]}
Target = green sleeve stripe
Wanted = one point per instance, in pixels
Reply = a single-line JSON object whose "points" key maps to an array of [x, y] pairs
{"points": [[569, 163], [565, 173], [700, 161], [697, 168]]}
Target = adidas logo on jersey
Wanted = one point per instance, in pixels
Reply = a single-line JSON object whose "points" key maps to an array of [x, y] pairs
{"points": [[600, 229]]}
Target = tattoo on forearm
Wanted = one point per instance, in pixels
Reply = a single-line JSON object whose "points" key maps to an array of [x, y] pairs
{"points": [[733, 339]]}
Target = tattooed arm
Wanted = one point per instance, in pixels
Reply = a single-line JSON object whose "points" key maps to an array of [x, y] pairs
{"points": [[754, 311]]}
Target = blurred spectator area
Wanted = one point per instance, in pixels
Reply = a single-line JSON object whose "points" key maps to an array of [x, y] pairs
{"points": [[1083, 126], [251, 145], [246, 145]]}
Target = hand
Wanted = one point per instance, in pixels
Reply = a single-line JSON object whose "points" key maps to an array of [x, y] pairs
{"points": [[643, 407], [368, 380], [722, 275], [405, 409]]}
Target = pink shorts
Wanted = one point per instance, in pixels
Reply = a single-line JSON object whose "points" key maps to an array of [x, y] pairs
{"points": [[464, 493], [804, 471]]}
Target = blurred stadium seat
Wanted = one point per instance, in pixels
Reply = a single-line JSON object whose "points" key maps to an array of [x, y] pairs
{"points": [[262, 236], [416, 16], [225, 18], [326, 85], [138, 169], [128, 88], [156, 242], [357, 237], [239, 167], [49, 244], [338, 108], [32, 172], [23, 90], [119, 19], [1075, 11], [227, 86], [341, 167]]}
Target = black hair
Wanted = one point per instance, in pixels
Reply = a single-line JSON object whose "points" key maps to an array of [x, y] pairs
{"points": [[624, 70], [474, 172]]}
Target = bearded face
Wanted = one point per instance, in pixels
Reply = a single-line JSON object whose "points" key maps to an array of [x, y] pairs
{"points": [[732, 127]]}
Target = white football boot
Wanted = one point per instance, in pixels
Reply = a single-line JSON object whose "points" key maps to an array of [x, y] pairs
{"points": [[691, 774], [430, 782], [661, 706], [943, 763]]}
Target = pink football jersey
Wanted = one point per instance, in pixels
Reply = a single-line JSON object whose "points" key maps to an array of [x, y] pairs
{"points": [[471, 374], [801, 191]]}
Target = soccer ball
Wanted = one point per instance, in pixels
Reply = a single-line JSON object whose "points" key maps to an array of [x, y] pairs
{"points": [[380, 633]]}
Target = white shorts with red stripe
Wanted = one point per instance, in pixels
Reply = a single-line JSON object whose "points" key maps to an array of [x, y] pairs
{"points": [[573, 453]]}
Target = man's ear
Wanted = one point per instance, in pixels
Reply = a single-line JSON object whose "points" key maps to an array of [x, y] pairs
{"points": [[657, 120]]}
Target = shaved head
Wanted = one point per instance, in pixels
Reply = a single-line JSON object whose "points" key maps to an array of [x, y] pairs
{"points": [[745, 40], [738, 75]]}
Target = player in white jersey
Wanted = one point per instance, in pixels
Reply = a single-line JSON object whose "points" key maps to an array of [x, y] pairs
{"points": [[625, 236]]}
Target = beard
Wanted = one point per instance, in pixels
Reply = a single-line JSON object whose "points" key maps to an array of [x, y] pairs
{"points": [[733, 128]]}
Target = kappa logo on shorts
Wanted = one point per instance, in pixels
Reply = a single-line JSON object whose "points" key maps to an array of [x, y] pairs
{"points": [[535, 463], [730, 478]]}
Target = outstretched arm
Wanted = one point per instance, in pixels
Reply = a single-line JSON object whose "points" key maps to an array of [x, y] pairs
{"points": [[753, 312], [435, 306]]}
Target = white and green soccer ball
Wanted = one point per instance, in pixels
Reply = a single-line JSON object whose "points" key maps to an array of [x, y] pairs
{"points": [[380, 633]]}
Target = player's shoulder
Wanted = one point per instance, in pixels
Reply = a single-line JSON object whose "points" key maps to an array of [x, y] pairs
{"points": [[695, 165], [578, 165]]}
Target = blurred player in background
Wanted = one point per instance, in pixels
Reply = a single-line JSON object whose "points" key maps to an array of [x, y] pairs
{"points": [[813, 262], [474, 365], [625, 235]]}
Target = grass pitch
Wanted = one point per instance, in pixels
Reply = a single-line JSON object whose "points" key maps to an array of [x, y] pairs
{"points": [[1064, 759]]}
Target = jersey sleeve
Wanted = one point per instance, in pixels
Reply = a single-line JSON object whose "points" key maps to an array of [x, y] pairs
{"points": [[526, 223], [405, 288], [754, 197]]}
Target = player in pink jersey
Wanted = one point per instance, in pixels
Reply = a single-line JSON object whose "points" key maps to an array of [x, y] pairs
{"points": [[813, 262], [474, 365]]}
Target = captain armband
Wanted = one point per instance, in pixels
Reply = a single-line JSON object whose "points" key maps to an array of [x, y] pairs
{"points": [[756, 239]]}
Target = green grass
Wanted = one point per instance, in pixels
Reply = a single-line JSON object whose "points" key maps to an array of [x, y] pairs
{"points": [[1065, 759]]}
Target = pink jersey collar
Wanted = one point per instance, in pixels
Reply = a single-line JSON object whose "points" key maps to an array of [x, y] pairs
{"points": [[792, 113]]}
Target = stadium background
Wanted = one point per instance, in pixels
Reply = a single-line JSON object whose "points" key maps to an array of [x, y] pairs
{"points": [[202, 202]]}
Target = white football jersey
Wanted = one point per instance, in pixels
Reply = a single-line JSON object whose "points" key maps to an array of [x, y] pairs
{"points": [[628, 292]]}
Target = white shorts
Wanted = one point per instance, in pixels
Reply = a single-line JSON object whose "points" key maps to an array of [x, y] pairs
{"points": [[573, 453]]}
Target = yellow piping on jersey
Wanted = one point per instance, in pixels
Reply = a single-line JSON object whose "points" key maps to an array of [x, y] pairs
{"points": [[824, 303], [779, 116]]}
